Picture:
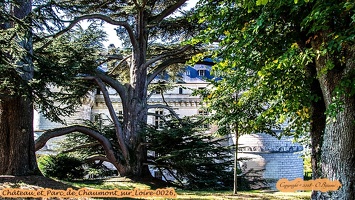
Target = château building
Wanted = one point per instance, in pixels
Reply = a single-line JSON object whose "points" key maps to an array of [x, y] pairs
{"points": [[276, 158]]}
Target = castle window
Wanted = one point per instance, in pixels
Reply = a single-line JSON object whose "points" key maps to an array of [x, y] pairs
{"points": [[158, 175], [204, 113], [120, 115], [158, 121]]}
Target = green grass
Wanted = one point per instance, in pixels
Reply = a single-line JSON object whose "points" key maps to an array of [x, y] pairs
{"points": [[127, 184], [108, 185], [241, 195]]}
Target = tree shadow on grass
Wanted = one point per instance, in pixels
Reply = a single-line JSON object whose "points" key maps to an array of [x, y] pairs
{"points": [[33, 182]]}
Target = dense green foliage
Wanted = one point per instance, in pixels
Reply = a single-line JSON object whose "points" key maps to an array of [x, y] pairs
{"points": [[265, 51], [291, 58], [15, 49], [61, 166], [194, 158], [260, 60], [58, 64], [56, 59]]}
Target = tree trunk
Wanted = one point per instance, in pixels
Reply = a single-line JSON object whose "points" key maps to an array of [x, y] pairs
{"points": [[338, 153], [17, 149], [338, 149], [318, 121], [136, 163], [235, 186], [137, 104], [17, 153]]}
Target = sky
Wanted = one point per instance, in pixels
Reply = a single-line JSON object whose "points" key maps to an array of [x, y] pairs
{"points": [[110, 29]]}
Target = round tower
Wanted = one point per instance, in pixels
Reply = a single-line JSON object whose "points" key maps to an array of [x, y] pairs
{"points": [[270, 157]]}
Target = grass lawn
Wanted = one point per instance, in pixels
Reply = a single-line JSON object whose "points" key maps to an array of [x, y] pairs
{"points": [[127, 184], [38, 182]]}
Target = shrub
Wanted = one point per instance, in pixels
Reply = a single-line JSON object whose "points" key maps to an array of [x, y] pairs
{"points": [[61, 166]]}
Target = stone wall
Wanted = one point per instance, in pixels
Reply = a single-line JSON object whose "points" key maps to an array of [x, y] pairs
{"points": [[276, 158]]}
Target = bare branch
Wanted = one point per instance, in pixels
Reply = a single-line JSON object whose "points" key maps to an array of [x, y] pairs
{"points": [[163, 66], [151, 94], [109, 58], [136, 3], [101, 17], [157, 19], [176, 52], [157, 115], [173, 174], [42, 140], [170, 109], [163, 97], [122, 61]]}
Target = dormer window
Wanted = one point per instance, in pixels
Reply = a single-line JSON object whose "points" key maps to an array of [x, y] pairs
{"points": [[201, 72], [180, 90]]}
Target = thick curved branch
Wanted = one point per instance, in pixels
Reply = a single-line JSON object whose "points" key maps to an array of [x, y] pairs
{"points": [[42, 140], [116, 122], [170, 109], [115, 84], [97, 157], [163, 66], [157, 19], [171, 53]]}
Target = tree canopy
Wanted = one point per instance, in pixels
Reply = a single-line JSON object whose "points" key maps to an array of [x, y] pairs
{"points": [[294, 58], [153, 32]]}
